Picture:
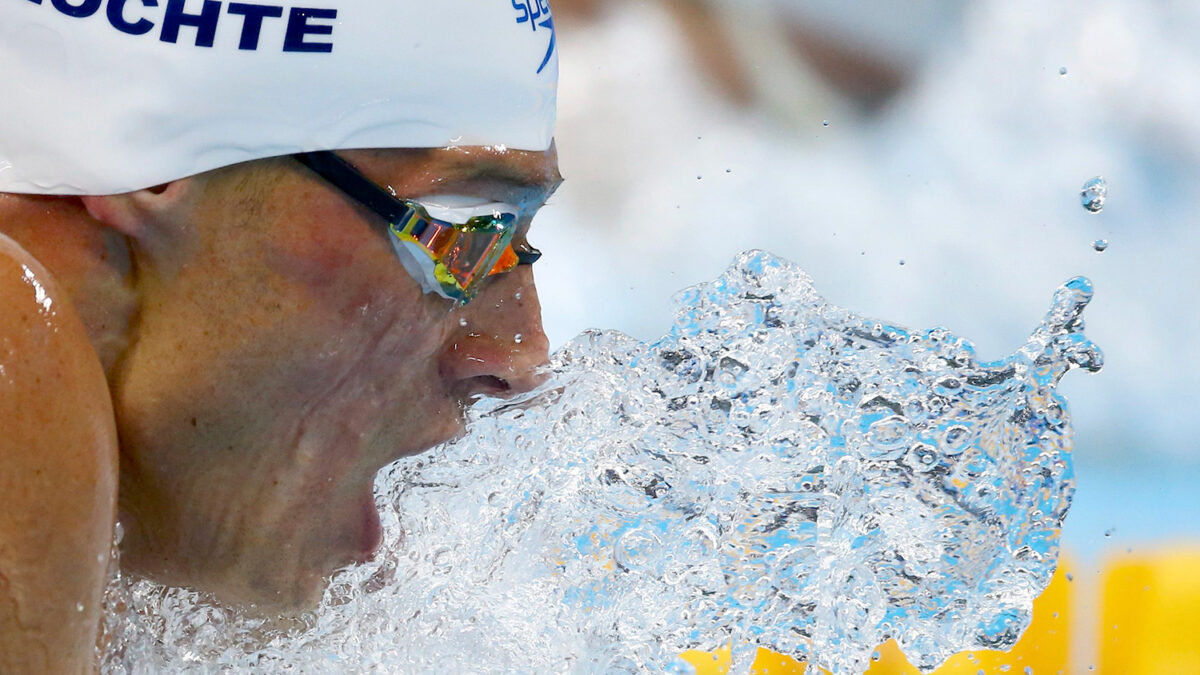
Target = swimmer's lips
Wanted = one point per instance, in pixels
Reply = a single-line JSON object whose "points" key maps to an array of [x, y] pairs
{"points": [[370, 535], [369, 538]]}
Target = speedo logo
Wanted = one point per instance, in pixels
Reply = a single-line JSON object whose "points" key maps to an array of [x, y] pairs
{"points": [[304, 25], [537, 13]]}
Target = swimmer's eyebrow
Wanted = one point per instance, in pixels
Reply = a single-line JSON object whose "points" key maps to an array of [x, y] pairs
{"points": [[534, 184]]}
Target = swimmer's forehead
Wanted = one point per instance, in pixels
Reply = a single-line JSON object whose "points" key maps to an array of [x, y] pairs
{"points": [[516, 176]]}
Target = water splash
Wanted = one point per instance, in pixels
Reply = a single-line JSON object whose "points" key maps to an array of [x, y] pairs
{"points": [[775, 471]]}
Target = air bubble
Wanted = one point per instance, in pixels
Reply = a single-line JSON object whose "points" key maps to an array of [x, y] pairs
{"points": [[922, 458], [889, 435], [441, 560], [636, 550]]}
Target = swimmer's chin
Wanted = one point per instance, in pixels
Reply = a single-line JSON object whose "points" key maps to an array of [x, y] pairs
{"points": [[265, 599], [301, 596]]}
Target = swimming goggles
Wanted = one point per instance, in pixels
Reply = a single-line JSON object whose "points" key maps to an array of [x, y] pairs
{"points": [[450, 259]]}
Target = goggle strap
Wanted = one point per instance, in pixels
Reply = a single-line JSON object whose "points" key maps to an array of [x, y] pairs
{"points": [[340, 173]]}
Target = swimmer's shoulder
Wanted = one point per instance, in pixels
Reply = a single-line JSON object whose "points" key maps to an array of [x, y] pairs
{"points": [[41, 335], [58, 474]]}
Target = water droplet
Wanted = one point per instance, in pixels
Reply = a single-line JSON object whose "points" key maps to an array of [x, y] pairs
{"points": [[1070, 577], [1063, 71], [825, 123], [1028, 670], [79, 607], [518, 338], [875, 656], [462, 322], [728, 170], [1109, 531], [517, 295], [699, 177], [1100, 245], [1093, 194], [902, 262]]}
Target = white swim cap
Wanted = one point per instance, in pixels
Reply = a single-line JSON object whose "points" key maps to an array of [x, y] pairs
{"points": [[108, 96]]}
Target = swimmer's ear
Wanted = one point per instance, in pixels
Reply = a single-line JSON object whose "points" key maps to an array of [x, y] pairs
{"points": [[129, 213]]}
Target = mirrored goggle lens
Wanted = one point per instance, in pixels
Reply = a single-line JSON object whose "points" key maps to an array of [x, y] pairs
{"points": [[463, 255]]}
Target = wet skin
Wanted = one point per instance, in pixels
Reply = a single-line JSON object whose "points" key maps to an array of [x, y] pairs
{"points": [[279, 356], [58, 475]]}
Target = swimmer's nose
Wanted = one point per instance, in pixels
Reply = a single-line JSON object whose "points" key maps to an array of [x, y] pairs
{"points": [[496, 344]]}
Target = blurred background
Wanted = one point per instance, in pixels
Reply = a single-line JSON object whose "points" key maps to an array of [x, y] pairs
{"points": [[923, 162]]}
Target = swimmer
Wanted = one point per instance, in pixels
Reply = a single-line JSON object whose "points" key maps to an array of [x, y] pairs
{"points": [[236, 280]]}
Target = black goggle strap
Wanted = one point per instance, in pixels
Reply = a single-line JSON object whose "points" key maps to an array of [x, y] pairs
{"points": [[348, 179]]}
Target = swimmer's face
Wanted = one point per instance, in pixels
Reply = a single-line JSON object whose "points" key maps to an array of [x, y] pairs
{"points": [[282, 356]]}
